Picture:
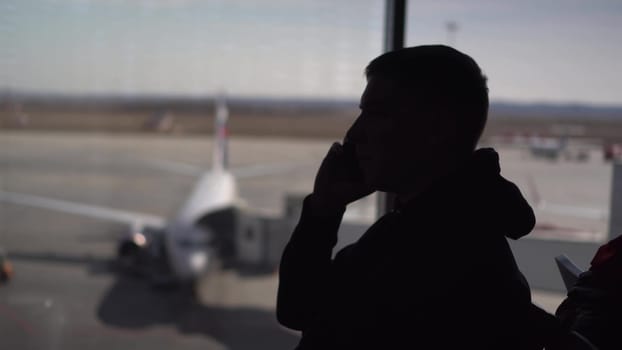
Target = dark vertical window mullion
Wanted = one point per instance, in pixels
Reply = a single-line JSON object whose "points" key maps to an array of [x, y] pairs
{"points": [[394, 32]]}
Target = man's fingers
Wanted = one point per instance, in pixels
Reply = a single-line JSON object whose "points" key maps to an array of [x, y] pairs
{"points": [[329, 163], [333, 180], [336, 149]]}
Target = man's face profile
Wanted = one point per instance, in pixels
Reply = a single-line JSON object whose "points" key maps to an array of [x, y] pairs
{"points": [[396, 141]]}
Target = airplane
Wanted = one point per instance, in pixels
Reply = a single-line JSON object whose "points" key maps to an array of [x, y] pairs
{"points": [[552, 148], [199, 238], [547, 147]]}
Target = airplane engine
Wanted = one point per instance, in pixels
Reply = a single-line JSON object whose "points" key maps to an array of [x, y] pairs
{"points": [[138, 248], [132, 245]]}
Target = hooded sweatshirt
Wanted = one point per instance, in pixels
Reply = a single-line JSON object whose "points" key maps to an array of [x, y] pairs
{"points": [[436, 272]]}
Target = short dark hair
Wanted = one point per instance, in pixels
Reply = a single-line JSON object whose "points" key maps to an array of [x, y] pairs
{"points": [[446, 78]]}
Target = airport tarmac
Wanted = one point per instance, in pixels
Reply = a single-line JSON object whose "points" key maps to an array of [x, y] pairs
{"points": [[65, 294]]}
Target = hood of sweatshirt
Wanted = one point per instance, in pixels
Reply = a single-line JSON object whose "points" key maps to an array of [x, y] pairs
{"points": [[478, 196]]}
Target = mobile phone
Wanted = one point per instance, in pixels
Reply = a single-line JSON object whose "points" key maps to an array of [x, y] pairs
{"points": [[352, 165]]}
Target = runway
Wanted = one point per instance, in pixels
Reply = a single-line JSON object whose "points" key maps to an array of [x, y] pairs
{"points": [[65, 294]]}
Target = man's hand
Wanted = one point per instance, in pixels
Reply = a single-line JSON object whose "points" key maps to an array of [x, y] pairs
{"points": [[337, 183]]}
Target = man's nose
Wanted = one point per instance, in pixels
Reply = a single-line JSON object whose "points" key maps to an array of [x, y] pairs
{"points": [[356, 132]]}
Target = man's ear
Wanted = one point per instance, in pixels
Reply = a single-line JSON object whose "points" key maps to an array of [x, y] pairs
{"points": [[445, 129]]}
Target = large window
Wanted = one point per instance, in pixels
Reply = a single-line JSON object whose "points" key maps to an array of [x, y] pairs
{"points": [[555, 80], [108, 116], [116, 116]]}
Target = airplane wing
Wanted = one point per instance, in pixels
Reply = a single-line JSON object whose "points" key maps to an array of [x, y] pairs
{"points": [[97, 212], [255, 170], [240, 172], [171, 166]]}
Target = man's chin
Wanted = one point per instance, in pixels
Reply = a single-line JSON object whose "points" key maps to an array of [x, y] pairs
{"points": [[377, 180], [377, 185]]}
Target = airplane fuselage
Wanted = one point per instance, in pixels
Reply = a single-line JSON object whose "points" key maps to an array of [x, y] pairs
{"points": [[189, 242]]}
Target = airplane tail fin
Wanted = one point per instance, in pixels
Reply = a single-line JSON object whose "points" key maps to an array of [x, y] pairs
{"points": [[221, 135]]}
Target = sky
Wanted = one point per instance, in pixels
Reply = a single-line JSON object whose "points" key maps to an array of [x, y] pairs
{"points": [[558, 51]]}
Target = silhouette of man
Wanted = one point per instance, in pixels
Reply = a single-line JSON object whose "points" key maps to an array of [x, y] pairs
{"points": [[437, 271]]}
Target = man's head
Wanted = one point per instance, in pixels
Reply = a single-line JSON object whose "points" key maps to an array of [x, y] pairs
{"points": [[422, 113]]}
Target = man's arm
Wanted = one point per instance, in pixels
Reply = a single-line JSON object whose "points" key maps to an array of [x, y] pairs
{"points": [[305, 271], [304, 274]]}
